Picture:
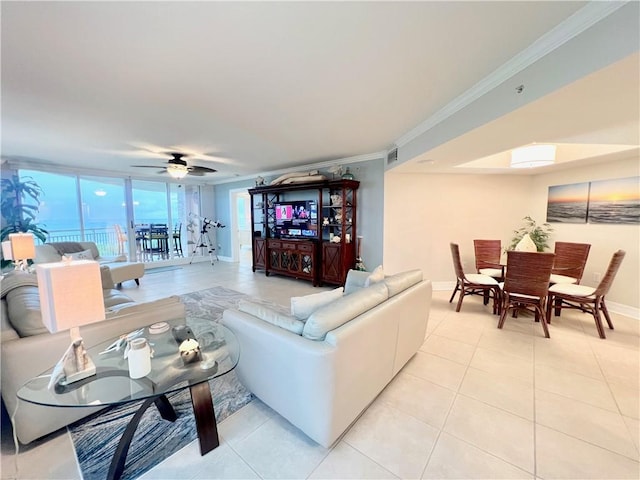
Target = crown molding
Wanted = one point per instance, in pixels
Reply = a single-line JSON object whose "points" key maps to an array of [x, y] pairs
{"points": [[574, 25], [367, 157]]}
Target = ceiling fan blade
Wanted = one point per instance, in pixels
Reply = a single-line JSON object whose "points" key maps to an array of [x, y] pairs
{"points": [[195, 173], [145, 166], [203, 170]]}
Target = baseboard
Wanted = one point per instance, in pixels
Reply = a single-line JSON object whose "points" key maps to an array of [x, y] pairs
{"points": [[225, 259], [619, 308]]}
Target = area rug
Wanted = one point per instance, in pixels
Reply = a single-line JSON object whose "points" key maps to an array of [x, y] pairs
{"points": [[96, 438]]}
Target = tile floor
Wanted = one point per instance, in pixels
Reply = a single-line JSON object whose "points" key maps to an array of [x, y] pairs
{"points": [[474, 402]]}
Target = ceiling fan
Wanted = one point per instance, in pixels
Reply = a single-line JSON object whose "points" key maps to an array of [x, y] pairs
{"points": [[178, 168]]}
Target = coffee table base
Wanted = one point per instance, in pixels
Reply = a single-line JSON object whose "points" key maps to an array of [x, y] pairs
{"points": [[205, 424]]}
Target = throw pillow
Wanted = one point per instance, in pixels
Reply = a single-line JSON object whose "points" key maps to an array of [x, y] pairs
{"points": [[376, 276], [303, 307], [271, 316], [401, 281], [83, 255], [343, 310], [355, 281]]}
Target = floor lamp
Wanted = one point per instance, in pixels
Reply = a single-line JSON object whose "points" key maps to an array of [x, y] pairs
{"points": [[71, 296], [20, 248]]}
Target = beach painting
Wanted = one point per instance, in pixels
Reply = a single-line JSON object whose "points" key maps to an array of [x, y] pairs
{"points": [[568, 203], [615, 201]]}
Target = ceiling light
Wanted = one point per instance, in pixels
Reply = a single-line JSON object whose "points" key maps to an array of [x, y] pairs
{"points": [[100, 192], [177, 171], [533, 156]]}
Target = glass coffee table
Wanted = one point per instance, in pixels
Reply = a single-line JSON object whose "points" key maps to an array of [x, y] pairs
{"points": [[112, 385]]}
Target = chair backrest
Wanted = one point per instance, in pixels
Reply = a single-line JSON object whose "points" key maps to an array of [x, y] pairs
{"points": [[528, 273], [487, 252], [612, 270], [570, 259], [457, 264]]}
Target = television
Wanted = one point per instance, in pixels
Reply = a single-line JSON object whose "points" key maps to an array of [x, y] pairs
{"points": [[297, 219]]}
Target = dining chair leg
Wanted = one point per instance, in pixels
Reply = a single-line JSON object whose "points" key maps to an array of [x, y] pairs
{"points": [[540, 312], [454, 292], [550, 303], [503, 314], [460, 298], [596, 317], [603, 308]]}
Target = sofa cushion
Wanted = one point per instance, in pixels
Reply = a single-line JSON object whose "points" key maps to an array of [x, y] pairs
{"points": [[355, 281], [8, 332], [303, 307], [23, 305], [376, 276], [403, 280], [342, 310], [46, 254], [271, 316]]}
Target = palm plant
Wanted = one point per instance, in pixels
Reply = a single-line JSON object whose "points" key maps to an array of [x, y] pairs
{"points": [[538, 233], [20, 206]]}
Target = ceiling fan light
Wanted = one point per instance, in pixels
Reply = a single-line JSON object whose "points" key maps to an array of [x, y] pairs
{"points": [[533, 156], [177, 171]]}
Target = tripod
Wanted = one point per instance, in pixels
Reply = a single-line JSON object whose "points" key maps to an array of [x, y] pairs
{"points": [[204, 242]]}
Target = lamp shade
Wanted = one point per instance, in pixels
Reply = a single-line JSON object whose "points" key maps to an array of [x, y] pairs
{"points": [[21, 247], [531, 156], [70, 294]]}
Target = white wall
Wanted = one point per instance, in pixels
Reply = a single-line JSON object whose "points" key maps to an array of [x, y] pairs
{"points": [[424, 213]]}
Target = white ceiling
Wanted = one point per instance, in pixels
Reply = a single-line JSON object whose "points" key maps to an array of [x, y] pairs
{"points": [[249, 88]]}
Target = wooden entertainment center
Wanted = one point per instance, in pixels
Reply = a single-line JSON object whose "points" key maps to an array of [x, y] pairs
{"points": [[325, 250]]}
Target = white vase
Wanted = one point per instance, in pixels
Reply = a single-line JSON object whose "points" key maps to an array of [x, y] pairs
{"points": [[526, 245]]}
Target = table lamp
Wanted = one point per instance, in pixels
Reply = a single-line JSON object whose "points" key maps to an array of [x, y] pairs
{"points": [[71, 296], [20, 247]]}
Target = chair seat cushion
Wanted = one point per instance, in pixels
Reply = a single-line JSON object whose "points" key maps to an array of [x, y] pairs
{"points": [[562, 279], [572, 289], [480, 279], [491, 272]]}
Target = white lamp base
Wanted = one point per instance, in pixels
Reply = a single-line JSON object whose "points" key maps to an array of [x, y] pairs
{"points": [[74, 365]]}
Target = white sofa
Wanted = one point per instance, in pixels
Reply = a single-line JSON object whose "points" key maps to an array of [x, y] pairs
{"points": [[322, 386], [28, 349]]}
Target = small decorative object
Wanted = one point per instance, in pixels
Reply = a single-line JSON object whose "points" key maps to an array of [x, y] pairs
{"points": [[347, 237], [336, 239], [336, 200], [331, 237], [338, 217], [139, 358], [325, 221], [347, 175], [359, 263], [539, 234], [335, 170], [259, 205], [190, 351], [181, 333], [259, 181], [158, 328], [526, 244]]}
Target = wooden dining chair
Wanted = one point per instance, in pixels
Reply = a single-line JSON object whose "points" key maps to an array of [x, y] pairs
{"points": [[526, 284], [570, 261], [473, 283], [587, 299], [488, 253]]}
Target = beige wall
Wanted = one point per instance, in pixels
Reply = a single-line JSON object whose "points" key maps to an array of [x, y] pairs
{"points": [[424, 213]]}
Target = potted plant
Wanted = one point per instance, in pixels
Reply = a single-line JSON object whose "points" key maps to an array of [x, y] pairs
{"points": [[19, 208], [539, 234]]}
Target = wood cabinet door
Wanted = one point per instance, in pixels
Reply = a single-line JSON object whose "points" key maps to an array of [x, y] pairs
{"points": [[331, 263]]}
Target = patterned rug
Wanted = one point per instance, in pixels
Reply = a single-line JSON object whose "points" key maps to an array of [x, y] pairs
{"points": [[96, 438]]}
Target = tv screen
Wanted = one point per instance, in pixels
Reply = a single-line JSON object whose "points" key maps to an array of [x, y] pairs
{"points": [[297, 219]]}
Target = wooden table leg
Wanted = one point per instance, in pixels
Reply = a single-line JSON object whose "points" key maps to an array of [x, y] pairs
{"points": [[205, 417], [120, 456]]}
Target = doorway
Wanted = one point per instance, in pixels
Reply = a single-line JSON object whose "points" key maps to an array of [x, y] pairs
{"points": [[241, 250]]}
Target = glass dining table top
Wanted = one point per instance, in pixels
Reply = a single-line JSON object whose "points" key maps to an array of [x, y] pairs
{"points": [[112, 385]]}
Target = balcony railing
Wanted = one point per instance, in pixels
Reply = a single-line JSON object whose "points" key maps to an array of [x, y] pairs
{"points": [[105, 239]]}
